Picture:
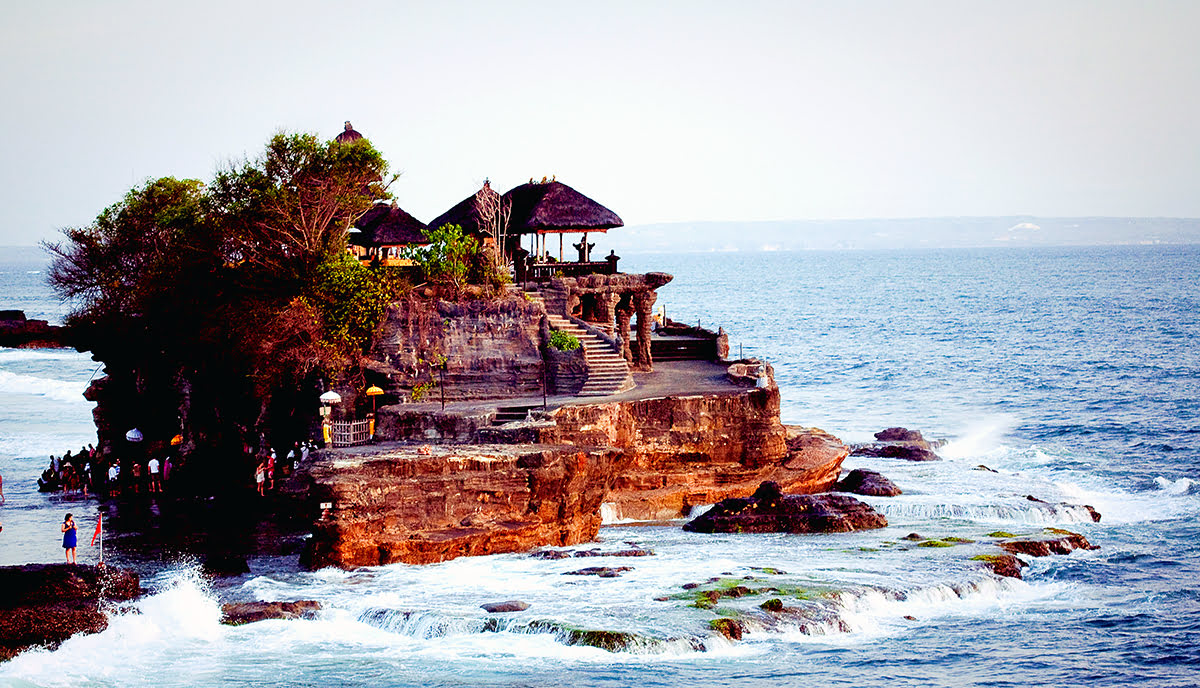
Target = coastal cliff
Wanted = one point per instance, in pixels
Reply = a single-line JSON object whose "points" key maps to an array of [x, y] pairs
{"points": [[653, 458], [426, 504]]}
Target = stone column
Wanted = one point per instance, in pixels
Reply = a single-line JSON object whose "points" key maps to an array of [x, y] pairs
{"points": [[624, 315], [644, 303]]}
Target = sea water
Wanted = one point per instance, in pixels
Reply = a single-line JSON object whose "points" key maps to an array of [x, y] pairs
{"points": [[1072, 374]]}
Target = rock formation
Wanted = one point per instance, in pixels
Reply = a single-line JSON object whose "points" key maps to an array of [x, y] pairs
{"points": [[404, 505], [771, 511], [238, 613], [864, 482], [1052, 541], [542, 483], [898, 443], [44, 604], [17, 332]]}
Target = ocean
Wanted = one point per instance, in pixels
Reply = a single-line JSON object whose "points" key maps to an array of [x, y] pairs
{"points": [[1072, 373]]}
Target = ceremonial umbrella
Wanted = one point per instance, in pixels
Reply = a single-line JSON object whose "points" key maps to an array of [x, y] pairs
{"points": [[373, 392]]}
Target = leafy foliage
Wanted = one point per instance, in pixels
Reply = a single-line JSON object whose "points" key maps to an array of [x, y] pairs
{"points": [[447, 258], [225, 302], [563, 341]]}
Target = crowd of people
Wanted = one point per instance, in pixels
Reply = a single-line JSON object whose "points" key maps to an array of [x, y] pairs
{"points": [[86, 471], [269, 467]]}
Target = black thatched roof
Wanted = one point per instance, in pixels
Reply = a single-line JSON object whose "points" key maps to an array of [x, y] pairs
{"points": [[385, 225], [349, 135], [556, 207], [464, 213]]}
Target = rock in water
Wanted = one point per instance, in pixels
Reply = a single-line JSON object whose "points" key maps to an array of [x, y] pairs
{"points": [[899, 435], [504, 607], [44, 604], [898, 443], [865, 482], [1054, 541], [770, 511], [240, 613]]}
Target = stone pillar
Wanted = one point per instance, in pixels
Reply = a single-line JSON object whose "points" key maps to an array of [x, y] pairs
{"points": [[644, 303], [606, 304], [624, 315]]}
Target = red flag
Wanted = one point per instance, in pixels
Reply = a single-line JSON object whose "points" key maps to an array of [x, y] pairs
{"points": [[99, 520]]}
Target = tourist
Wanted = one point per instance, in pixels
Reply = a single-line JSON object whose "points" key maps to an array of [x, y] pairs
{"points": [[135, 476], [114, 475], [167, 466], [68, 529], [152, 471], [271, 471], [260, 477]]}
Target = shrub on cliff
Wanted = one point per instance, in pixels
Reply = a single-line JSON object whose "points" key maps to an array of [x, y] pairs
{"points": [[446, 260], [563, 341]]}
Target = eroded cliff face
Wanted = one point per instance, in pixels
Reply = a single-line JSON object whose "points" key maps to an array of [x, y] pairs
{"points": [[646, 459], [693, 450], [491, 348], [405, 505]]}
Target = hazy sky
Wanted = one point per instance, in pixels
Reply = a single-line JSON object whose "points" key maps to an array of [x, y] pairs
{"points": [[660, 110]]}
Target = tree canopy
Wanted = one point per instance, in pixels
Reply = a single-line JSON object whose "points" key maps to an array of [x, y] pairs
{"points": [[222, 300]]}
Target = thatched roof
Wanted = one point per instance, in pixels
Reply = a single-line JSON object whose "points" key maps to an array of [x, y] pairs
{"points": [[465, 213], [386, 225], [349, 135], [555, 207]]}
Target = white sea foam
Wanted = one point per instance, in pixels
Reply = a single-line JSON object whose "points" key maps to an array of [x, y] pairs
{"points": [[58, 390], [979, 439], [178, 624], [1181, 486], [42, 444], [13, 355]]}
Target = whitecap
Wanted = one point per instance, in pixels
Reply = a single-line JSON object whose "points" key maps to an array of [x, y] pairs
{"points": [[58, 390]]}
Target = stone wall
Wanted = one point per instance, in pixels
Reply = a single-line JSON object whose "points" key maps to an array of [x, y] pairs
{"points": [[491, 348]]}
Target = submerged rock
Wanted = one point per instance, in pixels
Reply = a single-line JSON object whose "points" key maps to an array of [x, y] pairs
{"points": [[1054, 541], [1095, 515], [866, 482], [601, 571], [504, 607], [1002, 564], [44, 604], [238, 613], [770, 511]]}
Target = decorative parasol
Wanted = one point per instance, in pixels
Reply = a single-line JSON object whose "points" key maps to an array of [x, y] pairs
{"points": [[373, 392]]}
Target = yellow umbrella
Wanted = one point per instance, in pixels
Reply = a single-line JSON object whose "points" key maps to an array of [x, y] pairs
{"points": [[373, 392]]}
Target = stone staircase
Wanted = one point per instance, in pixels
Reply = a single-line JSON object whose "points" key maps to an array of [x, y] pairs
{"points": [[607, 372]]}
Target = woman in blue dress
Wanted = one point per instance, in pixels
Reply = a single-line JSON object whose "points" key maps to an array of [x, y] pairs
{"points": [[68, 529]]}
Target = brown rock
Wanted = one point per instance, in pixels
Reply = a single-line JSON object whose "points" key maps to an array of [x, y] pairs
{"points": [[866, 482], [1002, 564], [899, 435], [393, 504], [601, 571], [504, 607], [1054, 541], [770, 511], [238, 613], [730, 628], [44, 604]]}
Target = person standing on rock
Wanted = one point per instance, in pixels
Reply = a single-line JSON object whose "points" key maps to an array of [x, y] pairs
{"points": [[260, 477], [69, 539], [152, 469]]}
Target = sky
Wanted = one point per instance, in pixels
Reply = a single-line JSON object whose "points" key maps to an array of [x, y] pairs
{"points": [[662, 111]]}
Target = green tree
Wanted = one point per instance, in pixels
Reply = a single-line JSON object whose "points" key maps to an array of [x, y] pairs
{"points": [[446, 260], [221, 304]]}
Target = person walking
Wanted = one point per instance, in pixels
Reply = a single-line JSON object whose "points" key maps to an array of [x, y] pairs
{"points": [[69, 538]]}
